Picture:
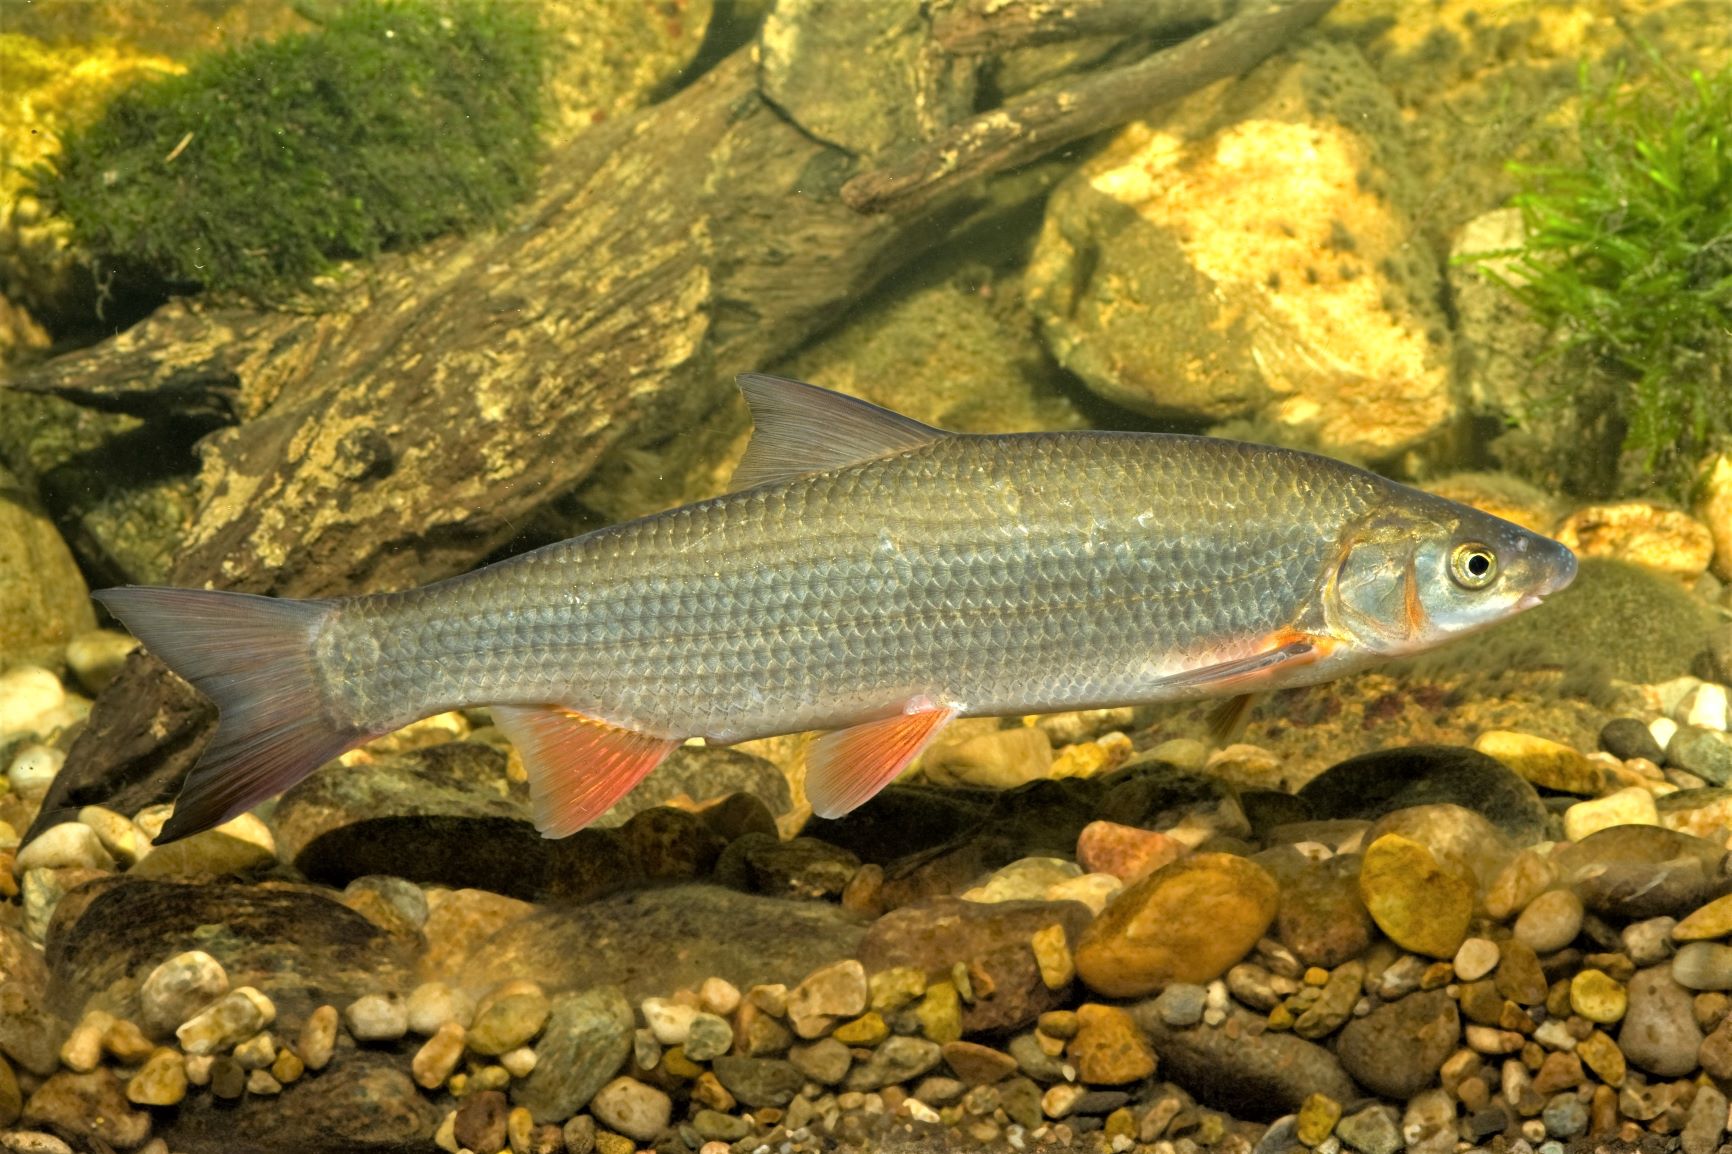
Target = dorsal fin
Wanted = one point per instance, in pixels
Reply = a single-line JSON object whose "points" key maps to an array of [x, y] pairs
{"points": [[799, 428]]}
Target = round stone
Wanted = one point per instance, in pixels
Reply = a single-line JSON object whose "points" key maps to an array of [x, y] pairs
{"points": [[1420, 906], [1660, 1033], [70, 844], [508, 1017], [1109, 1049], [179, 988], [1548, 764], [1186, 922], [33, 770], [1628, 737], [1703, 966], [433, 1005], [1476, 958], [1550, 922], [632, 1108], [1631, 806], [376, 1018]]}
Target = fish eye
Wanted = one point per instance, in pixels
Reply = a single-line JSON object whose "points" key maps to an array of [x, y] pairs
{"points": [[1472, 565]]}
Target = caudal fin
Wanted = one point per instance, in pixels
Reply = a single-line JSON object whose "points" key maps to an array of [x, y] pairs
{"points": [[252, 656]]}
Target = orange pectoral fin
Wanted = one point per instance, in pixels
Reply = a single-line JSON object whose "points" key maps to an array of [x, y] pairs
{"points": [[1283, 650], [578, 766], [845, 768]]}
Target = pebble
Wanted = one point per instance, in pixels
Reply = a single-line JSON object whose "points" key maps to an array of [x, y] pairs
{"points": [[1707, 753], [976, 1064], [1186, 922], [1318, 1115], [1398, 1048], [1660, 1034], [1109, 1048], [70, 844], [257, 1052], [179, 988], [758, 1082], [1704, 707], [33, 769], [1597, 997], [481, 1121], [161, 1081], [669, 1020], [1420, 906], [1126, 852], [29, 695], [1548, 764], [438, 1056], [318, 1038], [433, 1005], [234, 1017], [1649, 941], [1052, 955], [1476, 958], [376, 1018], [1703, 966], [1707, 1121], [825, 1061], [1630, 806], [507, 1017], [1181, 1004], [124, 841], [837, 991], [1601, 1055], [1551, 921], [939, 1012], [1026, 879], [1372, 1130], [587, 1038], [1627, 738], [81, 1052], [719, 996], [1565, 1116], [634, 1109], [96, 655], [899, 1059], [708, 1037]]}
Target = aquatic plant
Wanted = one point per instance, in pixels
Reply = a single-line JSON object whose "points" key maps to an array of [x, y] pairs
{"points": [[1628, 259], [392, 122]]}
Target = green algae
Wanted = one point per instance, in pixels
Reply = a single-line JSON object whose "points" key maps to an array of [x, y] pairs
{"points": [[262, 166]]}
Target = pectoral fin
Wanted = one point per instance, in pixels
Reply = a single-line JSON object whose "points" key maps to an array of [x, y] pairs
{"points": [[845, 768], [578, 766], [1250, 674]]}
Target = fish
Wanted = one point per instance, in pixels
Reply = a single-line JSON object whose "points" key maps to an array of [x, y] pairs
{"points": [[870, 577]]}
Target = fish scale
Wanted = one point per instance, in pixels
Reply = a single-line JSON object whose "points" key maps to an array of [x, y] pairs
{"points": [[794, 605]]}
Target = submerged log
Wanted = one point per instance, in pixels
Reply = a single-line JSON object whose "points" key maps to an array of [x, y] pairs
{"points": [[400, 436]]}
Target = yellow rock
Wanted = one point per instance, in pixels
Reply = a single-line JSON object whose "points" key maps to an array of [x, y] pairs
{"points": [[894, 988], [1601, 1055], [1545, 763], [1109, 1048], [1714, 509], [1643, 533], [161, 1081], [1052, 954], [868, 1029], [1598, 997], [1418, 904], [940, 1013], [1632, 806], [1713, 920], [1186, 922], [1317, 1117]]}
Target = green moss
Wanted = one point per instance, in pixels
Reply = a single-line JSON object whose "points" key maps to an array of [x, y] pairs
{"points": [[1628, 258], [261, 166]]}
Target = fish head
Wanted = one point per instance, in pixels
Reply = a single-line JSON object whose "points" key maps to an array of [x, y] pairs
{"points": [[1420, 570]]}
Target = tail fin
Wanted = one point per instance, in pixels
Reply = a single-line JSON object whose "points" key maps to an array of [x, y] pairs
{"points": [[252, 656]]}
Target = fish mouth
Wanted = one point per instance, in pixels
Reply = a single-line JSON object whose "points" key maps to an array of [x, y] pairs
{"points": [[1561, 577]]}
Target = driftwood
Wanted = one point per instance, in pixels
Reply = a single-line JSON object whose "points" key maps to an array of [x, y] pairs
{"points": [[976, 27], [401, 436]]}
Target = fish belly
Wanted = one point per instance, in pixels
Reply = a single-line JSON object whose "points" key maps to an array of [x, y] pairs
{"points": [[998, 574]]}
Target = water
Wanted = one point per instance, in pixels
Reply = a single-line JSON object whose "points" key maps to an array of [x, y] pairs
{"points": [[341, 299]]}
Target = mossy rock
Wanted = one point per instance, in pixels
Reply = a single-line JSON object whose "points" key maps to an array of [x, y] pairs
{"points": [[264, 165]]}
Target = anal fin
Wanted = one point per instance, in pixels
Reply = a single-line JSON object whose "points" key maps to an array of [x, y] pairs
{"points": [[1228, 719], [845, 768], [578, 766]]}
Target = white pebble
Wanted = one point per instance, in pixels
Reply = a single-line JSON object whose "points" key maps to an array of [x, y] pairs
{"points": [[71, 843], [670, 1021], [1476, 958], [719, 996], [179, 988], [432, 1004], [125, 841], [520, 1062], [919, 1110], [1663, 729], [96, 655], [33, 770], [1706, 707], [377, 1018], [29, 697]]}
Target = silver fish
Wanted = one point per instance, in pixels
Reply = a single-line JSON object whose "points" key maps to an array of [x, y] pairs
{"points": [[870, 576]]}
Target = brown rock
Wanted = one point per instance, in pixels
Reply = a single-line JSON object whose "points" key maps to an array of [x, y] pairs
{"points": [[1186, 922], [1519, 976], [1126, 851], [992, 940], [91, 1106], [1398, 1048], [978, 1065], [481, 1121], [1109, 1049], [1322, 918]]}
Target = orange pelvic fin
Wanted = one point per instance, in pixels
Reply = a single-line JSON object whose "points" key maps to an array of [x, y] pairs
{"points": [[845, 768], [578, 766]]}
